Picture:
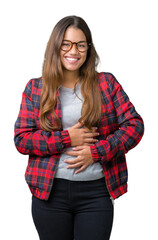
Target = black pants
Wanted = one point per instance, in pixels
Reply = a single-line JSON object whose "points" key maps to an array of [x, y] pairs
{"points": [[75, 210]]}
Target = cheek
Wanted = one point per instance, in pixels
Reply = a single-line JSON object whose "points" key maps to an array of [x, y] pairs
{"points": [[61, 56], [84, 57]]}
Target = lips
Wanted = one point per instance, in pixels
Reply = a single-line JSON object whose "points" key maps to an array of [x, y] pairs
{"points": [[72, 59]]}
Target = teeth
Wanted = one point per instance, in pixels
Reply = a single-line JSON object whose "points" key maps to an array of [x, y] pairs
{"points": [[72, 59]]}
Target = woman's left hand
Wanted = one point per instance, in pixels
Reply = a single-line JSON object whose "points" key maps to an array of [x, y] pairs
{"points": [[83, 158]]}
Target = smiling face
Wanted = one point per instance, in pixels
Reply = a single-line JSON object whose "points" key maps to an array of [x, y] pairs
{"points": [[72, 60]]}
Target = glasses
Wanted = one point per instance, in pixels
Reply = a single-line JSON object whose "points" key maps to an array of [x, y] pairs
{"points": [[82, 46]]}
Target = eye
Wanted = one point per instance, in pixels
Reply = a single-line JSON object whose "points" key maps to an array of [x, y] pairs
{"points": [[65, 44], [82, 45]]}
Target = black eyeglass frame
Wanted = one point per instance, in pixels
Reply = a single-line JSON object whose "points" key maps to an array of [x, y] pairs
{"points": [[72, 43]]}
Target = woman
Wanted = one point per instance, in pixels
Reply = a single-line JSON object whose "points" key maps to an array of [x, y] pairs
{"points": [[76, 125]]}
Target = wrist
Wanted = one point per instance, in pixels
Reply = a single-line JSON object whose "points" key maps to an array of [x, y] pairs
{"points": [[66, 141], [96, 157]]}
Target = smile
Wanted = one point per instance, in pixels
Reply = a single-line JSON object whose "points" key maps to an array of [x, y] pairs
{"points": [[72, 59]]}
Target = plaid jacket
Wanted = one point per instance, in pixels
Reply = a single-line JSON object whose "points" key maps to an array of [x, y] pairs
{"points": [[120, 128]]}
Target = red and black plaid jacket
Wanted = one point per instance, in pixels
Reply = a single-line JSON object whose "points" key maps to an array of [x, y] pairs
{"points": [[120, 128]]}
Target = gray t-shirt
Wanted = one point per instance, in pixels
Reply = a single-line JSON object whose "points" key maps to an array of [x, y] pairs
{"points": [[71, 112]]}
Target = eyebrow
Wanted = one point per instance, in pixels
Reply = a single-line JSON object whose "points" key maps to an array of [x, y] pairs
{"points": [[71, 41]]}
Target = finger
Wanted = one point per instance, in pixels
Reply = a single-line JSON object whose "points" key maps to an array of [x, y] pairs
{"points": [[88, 144], [91, 135], [76, 165], [78, 125], [92, 130], [90, 140], [80, 169], [78, 148], [86, 130], [72, 161], [72, 153]]}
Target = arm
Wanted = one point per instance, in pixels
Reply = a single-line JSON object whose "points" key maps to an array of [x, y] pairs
{"points": [[130, 129], [31, 140]]}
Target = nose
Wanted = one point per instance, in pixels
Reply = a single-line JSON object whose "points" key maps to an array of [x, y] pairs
{"points": [[73, 49]]}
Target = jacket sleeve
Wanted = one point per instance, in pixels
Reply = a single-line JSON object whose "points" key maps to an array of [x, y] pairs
{"points": [[31, 140], [129, 132]]}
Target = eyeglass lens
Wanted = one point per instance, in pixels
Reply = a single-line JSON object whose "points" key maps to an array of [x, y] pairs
{"points": [[81, 46]]}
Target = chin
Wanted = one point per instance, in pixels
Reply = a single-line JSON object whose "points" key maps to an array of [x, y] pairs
{"points": [[72, 68]]}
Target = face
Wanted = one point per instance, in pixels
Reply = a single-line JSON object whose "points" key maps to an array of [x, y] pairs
{"points": [[72, 60]]}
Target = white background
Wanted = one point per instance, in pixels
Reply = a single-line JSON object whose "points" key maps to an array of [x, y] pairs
{"points": [[125, 36]]}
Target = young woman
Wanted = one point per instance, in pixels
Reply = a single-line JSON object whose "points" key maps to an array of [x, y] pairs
{"points": [[76, 125]]}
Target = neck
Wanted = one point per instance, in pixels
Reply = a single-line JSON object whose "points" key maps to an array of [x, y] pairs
{"points": [[70, 78]]}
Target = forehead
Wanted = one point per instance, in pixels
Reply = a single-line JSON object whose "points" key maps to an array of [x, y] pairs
{"points": [[74, 35]]}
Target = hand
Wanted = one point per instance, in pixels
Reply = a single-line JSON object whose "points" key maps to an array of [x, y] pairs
{"points": [[83, 158], [82, 136]]}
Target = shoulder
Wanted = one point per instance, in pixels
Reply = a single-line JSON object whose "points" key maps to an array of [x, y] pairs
{"points": [[107, 80], [33, 87]]}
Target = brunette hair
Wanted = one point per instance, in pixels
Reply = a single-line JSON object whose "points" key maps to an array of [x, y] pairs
{"points": [[53, 73]]}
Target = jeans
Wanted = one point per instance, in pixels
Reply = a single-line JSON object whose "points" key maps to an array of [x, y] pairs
{"points": [[75, 210]]}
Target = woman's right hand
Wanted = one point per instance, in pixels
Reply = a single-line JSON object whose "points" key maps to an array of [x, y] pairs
{"points": [[82, 136]]}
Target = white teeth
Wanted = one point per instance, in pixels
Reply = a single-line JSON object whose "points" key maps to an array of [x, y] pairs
{"points": [[71, 59]]}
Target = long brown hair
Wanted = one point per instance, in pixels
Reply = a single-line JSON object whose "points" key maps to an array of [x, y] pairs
{"points": [[53, 73]]}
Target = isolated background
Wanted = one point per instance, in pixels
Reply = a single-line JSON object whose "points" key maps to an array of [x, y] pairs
{"points": [[126, 38]]}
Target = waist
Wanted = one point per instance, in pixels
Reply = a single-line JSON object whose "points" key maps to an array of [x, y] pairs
{"points": [[92, 172]]}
